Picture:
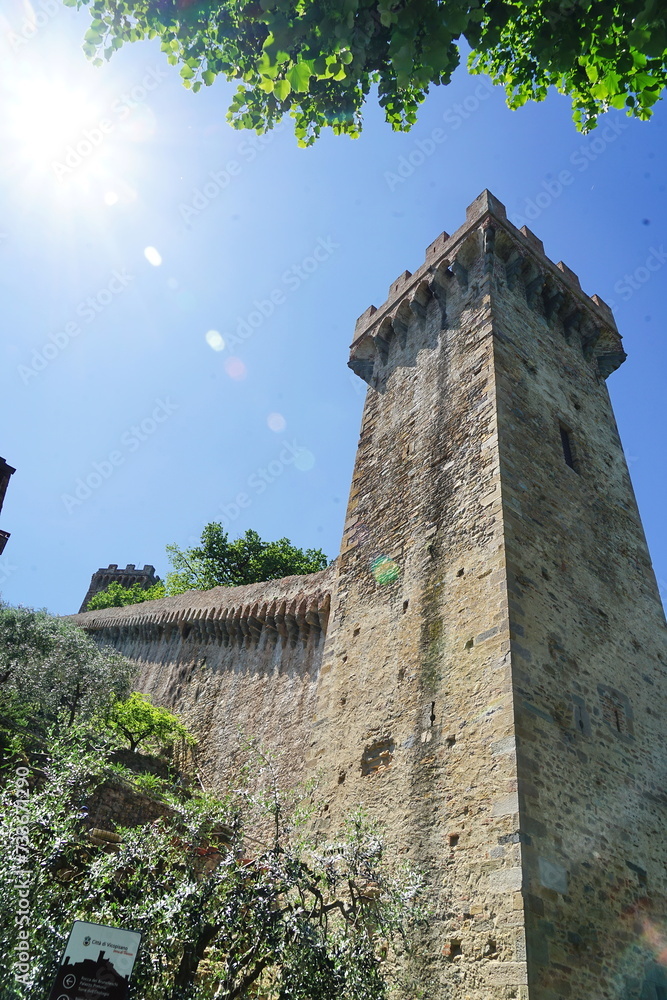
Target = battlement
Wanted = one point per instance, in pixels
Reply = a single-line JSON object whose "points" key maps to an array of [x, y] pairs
{"points": [[292, 609], [458, 269], [127, 577]]}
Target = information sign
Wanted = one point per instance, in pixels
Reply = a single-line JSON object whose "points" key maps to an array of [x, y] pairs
{"points": [[97, 963]]}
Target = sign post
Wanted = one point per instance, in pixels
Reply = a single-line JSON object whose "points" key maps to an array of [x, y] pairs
{"points": [[97, 963]]}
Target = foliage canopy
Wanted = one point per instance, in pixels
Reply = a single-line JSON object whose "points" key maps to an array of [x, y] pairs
{"points": [[141, 722], [217, 562], [317, 60], [117, 596]]}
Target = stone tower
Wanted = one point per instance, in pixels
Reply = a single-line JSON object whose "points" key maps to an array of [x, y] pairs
{"points": [[484, 666], [498, 634], [127, 577]]}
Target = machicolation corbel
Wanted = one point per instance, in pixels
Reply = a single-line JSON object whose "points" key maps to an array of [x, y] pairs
{"points": [[553, 298], [533, 289], [460, 273], [589, 341], [513, 268]]}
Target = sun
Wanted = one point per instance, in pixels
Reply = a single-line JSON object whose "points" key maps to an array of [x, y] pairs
{"points": [[48, 119]]}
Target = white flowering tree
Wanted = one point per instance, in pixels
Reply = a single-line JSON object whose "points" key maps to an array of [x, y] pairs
{"points": [[222, 914]]}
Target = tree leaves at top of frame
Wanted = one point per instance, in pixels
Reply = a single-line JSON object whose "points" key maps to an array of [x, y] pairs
{"points": [[316, 60]]}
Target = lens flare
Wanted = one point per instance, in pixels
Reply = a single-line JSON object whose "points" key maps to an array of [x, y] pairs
{"points": [[236, 369], [215, 340], [654, 937], [153, 256], [276, 422], [385, 570], [304, 460]]}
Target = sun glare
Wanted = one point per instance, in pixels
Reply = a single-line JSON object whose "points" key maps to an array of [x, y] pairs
{"points": [[51, 120]]}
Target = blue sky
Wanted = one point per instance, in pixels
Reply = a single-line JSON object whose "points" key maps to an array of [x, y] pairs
{"points": [[106, 372]]}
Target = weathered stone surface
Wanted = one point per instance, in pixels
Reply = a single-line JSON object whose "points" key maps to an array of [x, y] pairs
{"points": [[116, 803], [234, 661], [491, 684]]}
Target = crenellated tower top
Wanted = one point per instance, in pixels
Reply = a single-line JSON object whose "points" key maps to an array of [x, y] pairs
{"points": [[448, 281]]}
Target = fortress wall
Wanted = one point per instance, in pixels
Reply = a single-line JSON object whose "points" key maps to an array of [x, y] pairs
{"points": [[484, 666], [226, 694], [234, 663]]}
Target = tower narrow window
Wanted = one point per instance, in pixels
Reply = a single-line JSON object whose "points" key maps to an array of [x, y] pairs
{"points": [[568, 451]]}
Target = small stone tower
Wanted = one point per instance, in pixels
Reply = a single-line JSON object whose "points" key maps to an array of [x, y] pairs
{"points": [[127, 577], [484, 666]]}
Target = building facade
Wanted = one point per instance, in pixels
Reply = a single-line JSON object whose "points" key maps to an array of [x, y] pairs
{"points": [[483, 667]]}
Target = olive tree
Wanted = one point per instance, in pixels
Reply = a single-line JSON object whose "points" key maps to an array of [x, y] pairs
{"points": [[52, 671], [224, 911]]}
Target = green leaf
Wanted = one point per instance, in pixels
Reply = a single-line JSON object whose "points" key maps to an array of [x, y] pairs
{"points": [[282, 89], [656, 45], [638, 37], [299, 76]]}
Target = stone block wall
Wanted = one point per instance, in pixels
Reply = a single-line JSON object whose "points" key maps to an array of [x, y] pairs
{"points": [[417, 656], [234, 662], [117, 804], [588, 656]]}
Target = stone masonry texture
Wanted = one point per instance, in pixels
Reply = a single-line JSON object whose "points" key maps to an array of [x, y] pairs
{"points": [[483, 667]]}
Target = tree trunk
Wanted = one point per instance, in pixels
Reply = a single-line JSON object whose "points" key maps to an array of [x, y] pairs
{"points": [[192, 956]]}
